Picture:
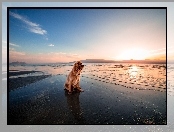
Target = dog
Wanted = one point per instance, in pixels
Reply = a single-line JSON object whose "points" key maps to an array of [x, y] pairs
{"points": [[73, 78]]}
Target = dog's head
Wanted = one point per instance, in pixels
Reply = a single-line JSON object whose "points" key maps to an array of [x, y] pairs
{"points": [[77, 68]]}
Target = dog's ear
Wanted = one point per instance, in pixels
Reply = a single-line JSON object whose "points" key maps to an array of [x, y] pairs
{"points": [[75, 67]]}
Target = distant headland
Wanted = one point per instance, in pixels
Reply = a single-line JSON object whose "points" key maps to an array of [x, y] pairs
{"points": [[17, 63], [147, 61]]}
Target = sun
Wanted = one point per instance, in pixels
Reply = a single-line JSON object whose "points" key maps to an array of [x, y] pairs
{"points": [[134, 53]]}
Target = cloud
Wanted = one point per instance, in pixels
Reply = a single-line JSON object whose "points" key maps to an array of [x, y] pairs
{"points": [[14, 45], [51, 57], [51, 45], [162, 49], [157, 50], [11, 49], [16, 53], [13, 52], [72, 55], [32, 27]]}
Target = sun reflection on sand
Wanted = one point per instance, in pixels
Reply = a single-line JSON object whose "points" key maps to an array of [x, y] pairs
{"points": [[133, 70], [135, 76]]}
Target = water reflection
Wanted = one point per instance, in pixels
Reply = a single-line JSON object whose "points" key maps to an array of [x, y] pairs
{"points": [[133, 72], [136, 76], [74, 106]]}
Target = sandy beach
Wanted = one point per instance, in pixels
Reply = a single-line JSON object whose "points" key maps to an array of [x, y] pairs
{"points": [[41, 99]]}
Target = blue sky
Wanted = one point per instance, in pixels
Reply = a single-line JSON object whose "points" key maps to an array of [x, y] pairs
{"points": [[58, 35], [97, 37]]}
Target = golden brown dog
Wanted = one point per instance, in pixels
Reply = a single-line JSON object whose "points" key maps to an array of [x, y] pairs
{"points": [[73, 78]]}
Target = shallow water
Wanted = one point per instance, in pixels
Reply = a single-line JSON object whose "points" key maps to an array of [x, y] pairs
{"points": [[46, 102], [135, 76]]}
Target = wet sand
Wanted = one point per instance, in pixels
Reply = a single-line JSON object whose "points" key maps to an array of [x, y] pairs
{"points": [[18, 82], [17, 73], [46, 102]]}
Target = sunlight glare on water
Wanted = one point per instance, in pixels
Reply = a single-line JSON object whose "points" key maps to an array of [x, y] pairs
{"points": [[135, 76], [133, 70]]}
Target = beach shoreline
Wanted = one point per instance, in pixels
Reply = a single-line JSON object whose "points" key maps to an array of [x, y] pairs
{"points": [[17, 82], [46, 102]]}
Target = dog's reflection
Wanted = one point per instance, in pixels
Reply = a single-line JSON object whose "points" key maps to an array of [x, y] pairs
{"points": [[74, 106]]}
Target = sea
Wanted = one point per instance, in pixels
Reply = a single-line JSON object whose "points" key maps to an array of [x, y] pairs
{"points": [[135, 76]]}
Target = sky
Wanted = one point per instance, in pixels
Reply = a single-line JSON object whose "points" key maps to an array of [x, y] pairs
{"points": [[65, 35]]}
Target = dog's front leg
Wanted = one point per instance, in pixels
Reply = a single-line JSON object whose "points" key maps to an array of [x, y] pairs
{"points": [[69, 88], [78, 86], [66, 86]]}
